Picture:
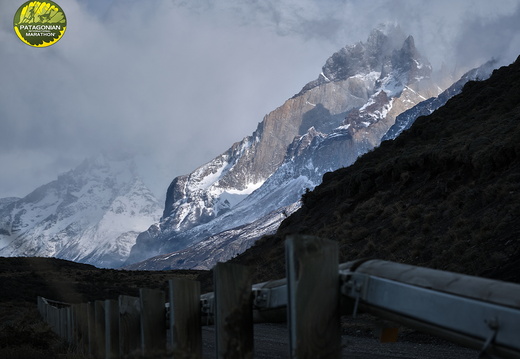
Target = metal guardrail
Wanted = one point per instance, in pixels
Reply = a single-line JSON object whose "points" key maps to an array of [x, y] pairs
{"points": [[475, 312]]}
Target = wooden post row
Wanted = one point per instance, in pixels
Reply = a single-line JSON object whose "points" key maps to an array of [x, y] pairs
{"points": [[234, 311], [59, 319], [313, 297]]}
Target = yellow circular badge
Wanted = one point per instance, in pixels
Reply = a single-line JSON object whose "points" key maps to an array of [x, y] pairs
{"points": [[40, 23]]}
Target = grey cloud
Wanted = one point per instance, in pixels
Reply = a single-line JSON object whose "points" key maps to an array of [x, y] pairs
{"points": [[179, 81], [481, 38]]}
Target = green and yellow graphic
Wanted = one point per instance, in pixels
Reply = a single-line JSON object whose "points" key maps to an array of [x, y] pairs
{"points": [[40, 23]]}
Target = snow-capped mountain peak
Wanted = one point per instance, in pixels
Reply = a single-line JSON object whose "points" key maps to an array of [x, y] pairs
{"points": [[90, 214]]}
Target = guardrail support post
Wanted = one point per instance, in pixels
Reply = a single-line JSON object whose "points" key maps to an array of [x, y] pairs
{"points": [[185, 329], [313, 297], [234, 311]]}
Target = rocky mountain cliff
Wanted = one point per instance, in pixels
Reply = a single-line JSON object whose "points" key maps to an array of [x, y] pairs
{"points": [[91, 214], [288, 183], [334, 119], [444, 194]]}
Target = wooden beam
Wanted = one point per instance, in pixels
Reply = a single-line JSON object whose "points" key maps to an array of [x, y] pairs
{"points": [[313, 297]]}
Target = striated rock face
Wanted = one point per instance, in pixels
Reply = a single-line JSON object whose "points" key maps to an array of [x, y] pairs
{"points": [[91, 214], [337, 117]]}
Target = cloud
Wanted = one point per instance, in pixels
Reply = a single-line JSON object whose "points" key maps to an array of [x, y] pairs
{"points": [[497, 36], [154, 78], [179, 81]]}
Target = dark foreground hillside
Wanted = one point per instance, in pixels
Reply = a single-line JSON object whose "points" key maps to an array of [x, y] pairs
{"points": [[445, 194]]}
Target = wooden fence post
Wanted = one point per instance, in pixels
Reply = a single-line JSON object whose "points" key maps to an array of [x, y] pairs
{"points": [[70, 338], [53, 314], [64, 324], [75, 325], [98, 345], [42, 304], [234, 311], [81, 326], [153, 322], [91, 318], [111, 329], [313, 297], [129, 325], [185, 325]]}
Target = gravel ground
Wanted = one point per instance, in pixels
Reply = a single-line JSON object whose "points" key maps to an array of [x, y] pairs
{"points": [[271, 341]]}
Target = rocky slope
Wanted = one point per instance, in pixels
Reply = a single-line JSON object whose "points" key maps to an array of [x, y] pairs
{"points": [[444, 194], [342, 114], [91, 214]]}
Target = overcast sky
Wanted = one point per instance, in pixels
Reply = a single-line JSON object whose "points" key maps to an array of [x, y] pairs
{"points": [[177, 82]]}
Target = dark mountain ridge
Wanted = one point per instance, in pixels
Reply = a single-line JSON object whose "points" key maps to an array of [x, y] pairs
{"points": [[444, 194]]}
